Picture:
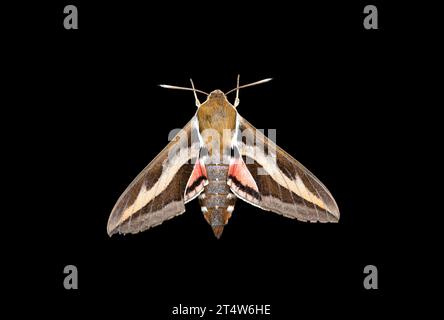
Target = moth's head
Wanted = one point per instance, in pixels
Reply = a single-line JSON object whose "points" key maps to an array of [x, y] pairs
{"points": [[216, 94], [217, 97]]}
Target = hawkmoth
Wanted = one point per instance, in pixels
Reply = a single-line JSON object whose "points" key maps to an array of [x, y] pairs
{"points": [[234, 161]]}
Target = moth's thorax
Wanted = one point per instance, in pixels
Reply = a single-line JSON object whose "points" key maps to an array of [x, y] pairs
{"points": [[217, 117]]}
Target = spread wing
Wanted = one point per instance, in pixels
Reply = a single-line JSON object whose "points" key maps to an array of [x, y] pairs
{"points": [[283, 185], [159, 192]]}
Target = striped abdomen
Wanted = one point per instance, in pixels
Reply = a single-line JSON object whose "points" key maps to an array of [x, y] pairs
{"points": [[217, 201]]}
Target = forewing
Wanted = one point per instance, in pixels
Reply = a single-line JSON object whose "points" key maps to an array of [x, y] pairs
{"points": [[285, 186], [157, 193]]}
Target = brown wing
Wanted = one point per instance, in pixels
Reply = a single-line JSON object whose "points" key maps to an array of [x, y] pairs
{"points": [[285, 186], [157, 193]]}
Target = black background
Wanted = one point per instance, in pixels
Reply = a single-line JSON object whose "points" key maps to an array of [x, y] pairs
{"points": [[335, 104]]}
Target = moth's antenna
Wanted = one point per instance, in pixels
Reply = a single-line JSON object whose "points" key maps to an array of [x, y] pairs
{"points": [[236, 101], [167, 86], [249, 85], [196, 100]]}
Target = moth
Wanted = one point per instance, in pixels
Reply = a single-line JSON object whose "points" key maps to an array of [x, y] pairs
{"points": [[220, 157]]}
